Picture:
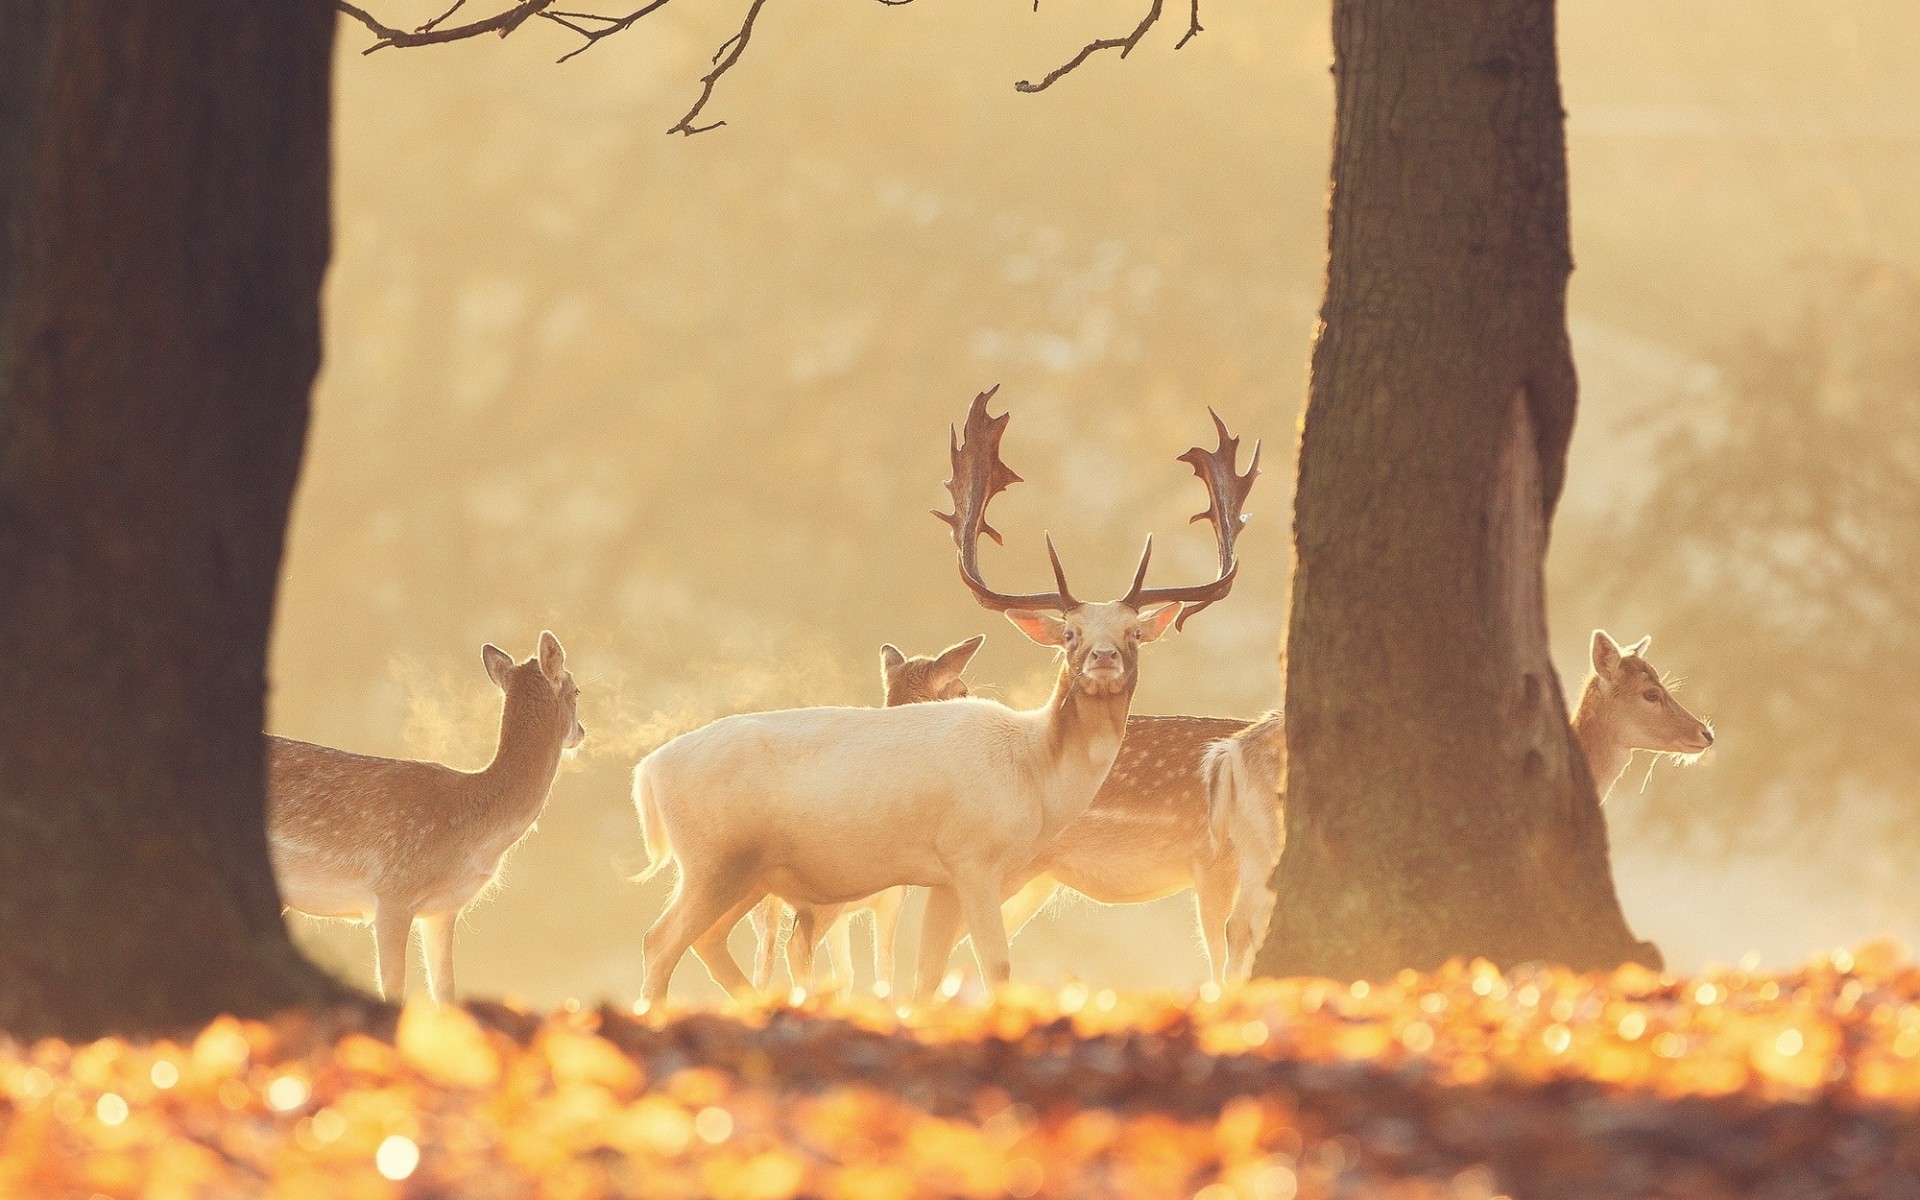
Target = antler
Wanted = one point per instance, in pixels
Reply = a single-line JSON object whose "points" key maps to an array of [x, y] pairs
{"points": [[1226, 492], [979, 476]]}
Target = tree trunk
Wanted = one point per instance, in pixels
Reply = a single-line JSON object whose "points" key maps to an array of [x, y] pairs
{"points": [[1437, 805], [164, 179]]}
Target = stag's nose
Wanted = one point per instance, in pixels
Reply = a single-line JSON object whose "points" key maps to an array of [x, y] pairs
{"points": [[1103, 656]]}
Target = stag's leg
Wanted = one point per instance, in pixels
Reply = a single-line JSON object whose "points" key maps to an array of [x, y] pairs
{"points": [[391, 926], [980, 905], [699, 900], [801, 943], [767, 917], [436, 944], [711, 947], [886, 925], [1215, 884], [840, 954], [938, 928]]}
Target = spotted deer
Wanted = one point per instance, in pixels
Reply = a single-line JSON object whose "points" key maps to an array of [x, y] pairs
{"points": [[1625, 706], [903, 680], [396, 841], [828, 806]]}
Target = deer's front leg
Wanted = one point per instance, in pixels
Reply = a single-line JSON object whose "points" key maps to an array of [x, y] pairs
{"points": [[980, 905], [938, 928], [436, 944], [766, 939]]}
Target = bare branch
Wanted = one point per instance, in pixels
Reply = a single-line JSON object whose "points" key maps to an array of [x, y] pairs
{"points": [[1124, 45], [731, 49], [503, 23]]}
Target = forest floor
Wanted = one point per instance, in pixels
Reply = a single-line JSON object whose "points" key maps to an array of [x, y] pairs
{"points": [[1465, 1083]]}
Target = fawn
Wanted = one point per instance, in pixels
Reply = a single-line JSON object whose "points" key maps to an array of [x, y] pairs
{"points": [[396, 841], [827, 806]]}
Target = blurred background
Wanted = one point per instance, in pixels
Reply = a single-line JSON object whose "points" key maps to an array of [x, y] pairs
{"points": [[684, 402]]}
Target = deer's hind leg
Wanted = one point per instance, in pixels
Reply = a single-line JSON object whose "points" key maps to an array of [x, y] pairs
{"points": [[700, 900], [392, 925], [1216, 885], [886, 926], [767, 918]]}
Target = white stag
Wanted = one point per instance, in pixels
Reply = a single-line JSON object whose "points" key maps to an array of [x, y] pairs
{"points": [[828, 806]]}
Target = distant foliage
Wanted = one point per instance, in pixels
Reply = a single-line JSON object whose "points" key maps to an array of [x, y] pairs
{"points": [[1783, 536]]}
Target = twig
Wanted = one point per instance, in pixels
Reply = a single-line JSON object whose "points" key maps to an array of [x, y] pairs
{"points": [[503, 22], [1124, 45], [732, 49], [442, 18], [609, 26]]}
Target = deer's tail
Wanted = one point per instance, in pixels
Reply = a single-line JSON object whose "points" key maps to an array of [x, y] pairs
{"points": [[1223, 769], [653, 831]]}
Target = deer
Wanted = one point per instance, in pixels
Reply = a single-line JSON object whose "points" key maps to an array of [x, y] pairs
{"points": [[827, 806], [904, 680], [398, 842], [1624, 706]]}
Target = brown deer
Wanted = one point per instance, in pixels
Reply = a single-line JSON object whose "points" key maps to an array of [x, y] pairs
{"points": [[828, 806], [1625, 706], [903, 680], [396, 841]]}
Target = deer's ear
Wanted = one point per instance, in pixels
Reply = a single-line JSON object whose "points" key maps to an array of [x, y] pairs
{"points": [[1639, 648], [553, 659], [954, 659], [1042, 627], [891, 659], [1157, 622], [498, 662], [1606, 655]]}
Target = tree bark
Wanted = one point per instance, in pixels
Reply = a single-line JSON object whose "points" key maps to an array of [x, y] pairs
{"points": [[164, 175], [1437, 805]]}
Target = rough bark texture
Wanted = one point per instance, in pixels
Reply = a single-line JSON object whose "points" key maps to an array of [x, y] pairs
{"points": [[163, 236], [1437, 805]]}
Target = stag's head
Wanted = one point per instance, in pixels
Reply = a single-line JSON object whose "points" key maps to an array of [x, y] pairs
{"points": [[541, 688], [917, 679], [1100, 639], [1639, 705]]}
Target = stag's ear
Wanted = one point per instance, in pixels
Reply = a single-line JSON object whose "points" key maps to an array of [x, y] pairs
{"points": [[1639, 648], [1606, 655], [954, 659], [553, 659], [1157, 622], [1042, 627], [498, 662]]}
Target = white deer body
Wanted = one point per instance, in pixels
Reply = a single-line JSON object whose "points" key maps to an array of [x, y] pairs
{"points": [[392, 841]]}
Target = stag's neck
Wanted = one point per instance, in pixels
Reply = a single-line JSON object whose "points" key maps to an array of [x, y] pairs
{"points": [[1083, 737], [1607, 752], [514, 785]]}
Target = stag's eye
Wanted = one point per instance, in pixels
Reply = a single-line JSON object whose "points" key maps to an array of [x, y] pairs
{"points": [[1651, 694]]}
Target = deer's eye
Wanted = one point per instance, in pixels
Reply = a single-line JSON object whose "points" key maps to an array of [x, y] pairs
{"points": [[1651, 694]]}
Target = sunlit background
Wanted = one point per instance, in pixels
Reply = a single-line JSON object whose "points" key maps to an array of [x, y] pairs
{"points": [[684, 401]]}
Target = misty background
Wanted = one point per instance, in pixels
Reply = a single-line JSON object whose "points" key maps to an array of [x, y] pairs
{"points": [[685, 402]]}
